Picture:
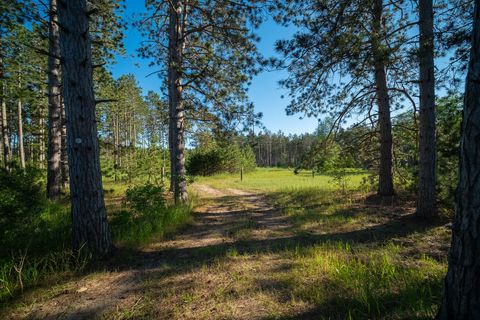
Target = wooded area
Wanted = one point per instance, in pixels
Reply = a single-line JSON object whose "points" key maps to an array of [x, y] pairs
{"points": [[97, 172]]}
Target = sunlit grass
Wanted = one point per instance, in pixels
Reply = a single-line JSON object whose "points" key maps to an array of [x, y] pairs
{"points": [[350, 281], [367, 262], [276, 179]]}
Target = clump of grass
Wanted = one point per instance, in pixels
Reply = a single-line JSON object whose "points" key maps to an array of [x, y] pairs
{"points": [[129, 230], [361, 282], [23, 271], [147, 216]]}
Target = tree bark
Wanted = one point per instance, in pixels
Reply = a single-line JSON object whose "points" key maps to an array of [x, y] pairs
{"points": [[426, 197], [63, 152], [89, 219], [54, 164], [3, 116], [176, 47], [461, 299], [41, 140], [385, 180], [21, 147], [116, 146], [7, 151]]}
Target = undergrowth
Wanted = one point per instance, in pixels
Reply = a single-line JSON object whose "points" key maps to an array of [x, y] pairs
{"points": [[35, 234]]}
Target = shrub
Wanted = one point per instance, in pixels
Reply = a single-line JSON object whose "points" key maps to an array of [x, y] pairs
{"points": [[219, 159], [145, 199], [22, 201], [146, 216]]}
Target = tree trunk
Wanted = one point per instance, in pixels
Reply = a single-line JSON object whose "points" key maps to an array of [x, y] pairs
{"points": [[7, 151], [3, 117], [54, 165], [63, 152], [426, 181], [41, 141], [21, 147], [176, 46], [116, 147], [461, 299], [89, 218], [385, 180]]}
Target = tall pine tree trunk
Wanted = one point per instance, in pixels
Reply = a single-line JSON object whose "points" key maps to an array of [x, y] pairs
{"points": [[89, 218], [41, 141], [21, 146], [54, 164], [426, 181], [461, 298], [7, 151], [116, 146], [63, 152], [171, 132], [385, 180], [176, 46], [3, 111]]}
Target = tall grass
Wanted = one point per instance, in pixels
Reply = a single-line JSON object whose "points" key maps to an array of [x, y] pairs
{"points": [[132, 231]]}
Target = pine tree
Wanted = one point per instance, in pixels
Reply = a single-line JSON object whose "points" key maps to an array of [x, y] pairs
{"points": [[89, 220], [207, 54], [347, 58], [461, 299], [54, 164], [426, 197]]}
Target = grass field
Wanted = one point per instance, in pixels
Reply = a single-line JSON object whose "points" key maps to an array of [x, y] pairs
{"points": [[277, 179], [354, 257], [273, 246]]}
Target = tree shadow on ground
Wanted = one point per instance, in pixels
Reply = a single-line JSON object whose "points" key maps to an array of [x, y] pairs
{"points": [[173, 261]]}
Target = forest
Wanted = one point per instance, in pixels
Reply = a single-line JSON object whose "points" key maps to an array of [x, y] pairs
{"points": [[176, 198]]}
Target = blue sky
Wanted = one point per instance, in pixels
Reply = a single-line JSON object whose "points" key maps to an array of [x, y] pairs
{"points": [[264, 92]]}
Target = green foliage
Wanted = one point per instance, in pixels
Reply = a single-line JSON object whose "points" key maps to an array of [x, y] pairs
{"points": [[146, 198], [146, 216], [449, 120], [34, 234], [219, 159], [22, 201], [340, 178]]}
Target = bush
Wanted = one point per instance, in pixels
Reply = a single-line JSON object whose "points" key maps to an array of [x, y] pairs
{"points": [[22, 207], [220, 159], [34, 234], [145, 199], [146, 216]]}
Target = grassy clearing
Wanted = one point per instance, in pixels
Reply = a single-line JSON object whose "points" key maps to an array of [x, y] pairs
{"points": [[275, 179], [353, 257], [339, 256]]}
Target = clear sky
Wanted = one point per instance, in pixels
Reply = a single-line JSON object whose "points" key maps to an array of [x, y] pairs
{"points": [[264, 92]]}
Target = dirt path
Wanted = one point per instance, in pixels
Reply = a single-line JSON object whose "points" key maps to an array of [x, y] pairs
{"points": [[223, 266]]}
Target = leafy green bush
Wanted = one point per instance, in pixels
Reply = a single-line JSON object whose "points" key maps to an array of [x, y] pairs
{"points": [[22, 208], [146, 216], [449, 119], [220, 158], [145, 199]]}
